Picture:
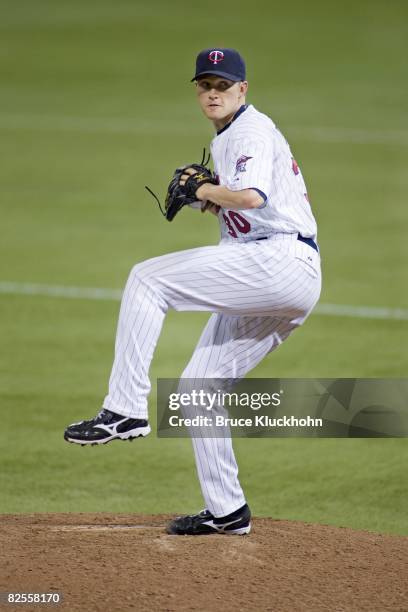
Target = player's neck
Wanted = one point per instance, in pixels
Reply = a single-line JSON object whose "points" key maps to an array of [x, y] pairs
{"points": [[220, 124]]}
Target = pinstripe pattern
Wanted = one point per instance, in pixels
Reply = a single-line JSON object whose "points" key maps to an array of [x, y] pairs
{"points": [[229, 347], [258, 293], [269, 169]]}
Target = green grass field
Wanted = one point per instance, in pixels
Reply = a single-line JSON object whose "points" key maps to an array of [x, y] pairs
{"points": [[95, 103]]}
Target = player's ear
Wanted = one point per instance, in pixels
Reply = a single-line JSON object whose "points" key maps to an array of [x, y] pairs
{"points": [[243, 87]]}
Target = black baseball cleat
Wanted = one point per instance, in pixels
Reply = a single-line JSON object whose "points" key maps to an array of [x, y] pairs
{"points": [[106, 426], [236, 523]]}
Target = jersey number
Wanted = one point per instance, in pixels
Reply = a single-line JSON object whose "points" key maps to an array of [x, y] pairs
{"points": [[236, 223], [296, 171]]}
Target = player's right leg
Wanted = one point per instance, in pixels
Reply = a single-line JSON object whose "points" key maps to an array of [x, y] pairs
{"points": [[262, 279], [152, 287], [124, 413], [143, 308]]}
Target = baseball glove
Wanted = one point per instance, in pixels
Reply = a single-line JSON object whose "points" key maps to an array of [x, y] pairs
{"points": [[181, 195]]}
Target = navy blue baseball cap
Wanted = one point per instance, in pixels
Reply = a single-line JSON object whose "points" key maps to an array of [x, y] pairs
{"points": [[226, 63]]}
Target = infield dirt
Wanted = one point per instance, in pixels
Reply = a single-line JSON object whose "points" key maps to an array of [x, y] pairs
{"points": [[127, 562]]}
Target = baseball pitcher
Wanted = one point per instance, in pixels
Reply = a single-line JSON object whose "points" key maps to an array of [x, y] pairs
{"points": [[260, 282]]}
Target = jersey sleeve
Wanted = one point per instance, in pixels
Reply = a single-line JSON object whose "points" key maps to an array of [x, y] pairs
{"points": [[250, 163]]}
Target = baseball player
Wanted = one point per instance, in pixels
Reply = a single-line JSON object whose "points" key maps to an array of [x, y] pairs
{"points": [[260, 282]]}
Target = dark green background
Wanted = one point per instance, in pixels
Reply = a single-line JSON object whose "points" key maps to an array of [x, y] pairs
{"points": [[95, 103]]}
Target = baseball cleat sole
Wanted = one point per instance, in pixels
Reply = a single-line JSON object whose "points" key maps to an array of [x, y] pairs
{"points": [[140, 432], [241, 531]]}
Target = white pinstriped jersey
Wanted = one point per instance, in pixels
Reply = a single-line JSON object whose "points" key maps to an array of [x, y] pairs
{"points": [[257, 291], [252, 153]]}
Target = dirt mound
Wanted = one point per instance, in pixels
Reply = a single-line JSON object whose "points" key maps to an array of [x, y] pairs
{"points": [[127, 562]]}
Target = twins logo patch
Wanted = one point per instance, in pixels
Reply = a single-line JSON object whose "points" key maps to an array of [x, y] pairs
{"points": [[240, 166]]}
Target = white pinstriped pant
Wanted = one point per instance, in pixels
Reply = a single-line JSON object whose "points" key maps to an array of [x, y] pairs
{"points": [[259, 293]]}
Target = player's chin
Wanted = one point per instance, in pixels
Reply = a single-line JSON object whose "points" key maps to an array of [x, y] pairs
{"points": [[214, 112]]}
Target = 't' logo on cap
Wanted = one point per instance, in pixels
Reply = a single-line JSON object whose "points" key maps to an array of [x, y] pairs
{"points": [[216, 56]]}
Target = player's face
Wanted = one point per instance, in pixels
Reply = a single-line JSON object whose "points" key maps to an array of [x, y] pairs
{"points": [[220, 98]]}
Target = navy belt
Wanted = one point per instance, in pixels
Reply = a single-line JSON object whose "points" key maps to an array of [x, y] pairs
{"points": [[308, 241]]}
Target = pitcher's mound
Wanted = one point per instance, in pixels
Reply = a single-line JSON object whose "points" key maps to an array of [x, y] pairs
{"points": [[127, 562]]}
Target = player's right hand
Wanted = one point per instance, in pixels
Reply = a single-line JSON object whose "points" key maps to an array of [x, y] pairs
{"points": [[208, 206]]}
